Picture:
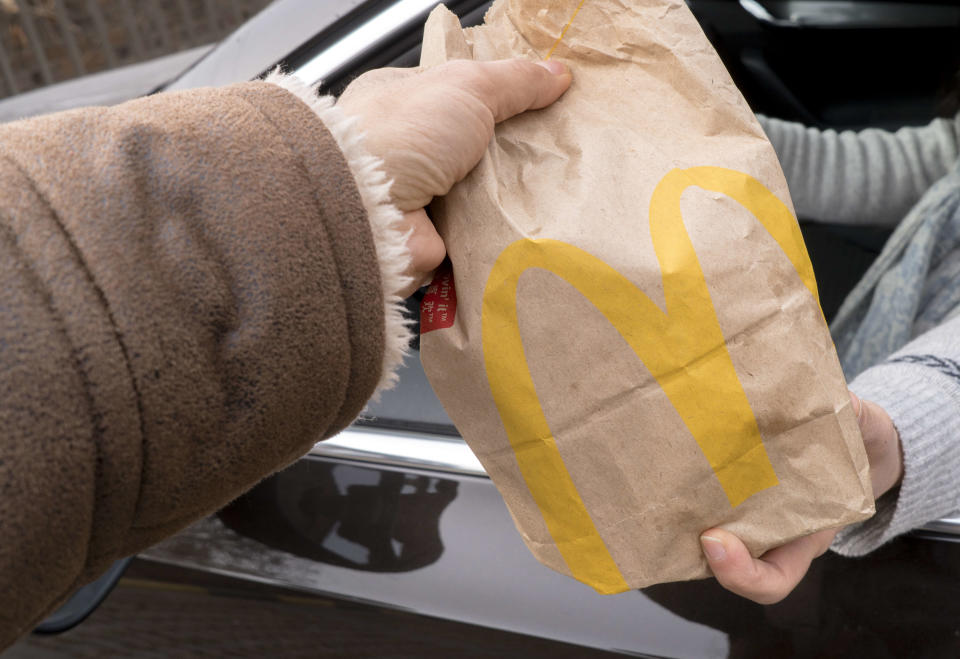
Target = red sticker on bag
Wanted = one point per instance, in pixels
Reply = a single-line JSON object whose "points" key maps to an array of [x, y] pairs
{"points": [[439, 304]]}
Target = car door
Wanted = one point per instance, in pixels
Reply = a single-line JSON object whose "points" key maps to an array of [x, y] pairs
{"points": [[397, 511]]}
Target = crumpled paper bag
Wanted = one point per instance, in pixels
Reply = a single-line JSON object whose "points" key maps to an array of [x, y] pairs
{"points": [[630, 338]]}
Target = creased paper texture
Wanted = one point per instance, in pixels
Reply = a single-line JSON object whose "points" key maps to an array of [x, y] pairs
{"points": [[635, 351]]}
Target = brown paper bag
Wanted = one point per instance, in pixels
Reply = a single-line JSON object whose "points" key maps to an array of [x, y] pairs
{"points": [[630, 340]]}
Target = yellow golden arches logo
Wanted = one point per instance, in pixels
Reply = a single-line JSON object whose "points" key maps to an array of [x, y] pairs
{"points": [[684, 349]]}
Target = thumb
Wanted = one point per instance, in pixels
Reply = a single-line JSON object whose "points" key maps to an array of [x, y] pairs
{"points": [[881, 442], [509, 87]]}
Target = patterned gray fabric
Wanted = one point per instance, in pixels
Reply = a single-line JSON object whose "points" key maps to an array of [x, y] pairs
{"points": [[913, 286]]}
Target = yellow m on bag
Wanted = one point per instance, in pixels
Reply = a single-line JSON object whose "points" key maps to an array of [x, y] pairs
{"points": [[684, 348]]}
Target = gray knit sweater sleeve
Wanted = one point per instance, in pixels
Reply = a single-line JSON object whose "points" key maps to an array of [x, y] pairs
{"points": [[919, 387], [868, 177]]}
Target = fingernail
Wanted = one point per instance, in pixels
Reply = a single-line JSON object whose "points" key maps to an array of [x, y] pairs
{"points": [[554, 67], [712, 547], [857, 405]]}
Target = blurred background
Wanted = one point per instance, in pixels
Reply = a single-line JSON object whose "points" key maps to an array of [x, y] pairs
{"points": [[44, 42]]}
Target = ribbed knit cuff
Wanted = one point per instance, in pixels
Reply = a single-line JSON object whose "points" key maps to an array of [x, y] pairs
{"points": [[921, 393]]}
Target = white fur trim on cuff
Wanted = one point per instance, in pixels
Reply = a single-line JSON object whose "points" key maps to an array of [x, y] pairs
{"points": [[386, 221]]}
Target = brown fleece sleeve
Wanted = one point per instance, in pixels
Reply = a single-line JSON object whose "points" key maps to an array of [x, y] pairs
{"points": [[189, 298]]}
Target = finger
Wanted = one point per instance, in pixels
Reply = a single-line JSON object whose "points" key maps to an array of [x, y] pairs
{"points": [[872, 419], [765, 580], [426, 248], [874, 422], [509, 87], [857, 407], [375, 80], [882, 443]]}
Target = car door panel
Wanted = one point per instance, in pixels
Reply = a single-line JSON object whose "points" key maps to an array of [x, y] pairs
{"points": [[832, 64]]}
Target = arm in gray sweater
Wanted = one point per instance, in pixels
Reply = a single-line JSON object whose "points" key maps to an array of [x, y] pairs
{"points": [[875, 177], [919, 387], [871, 177]]}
